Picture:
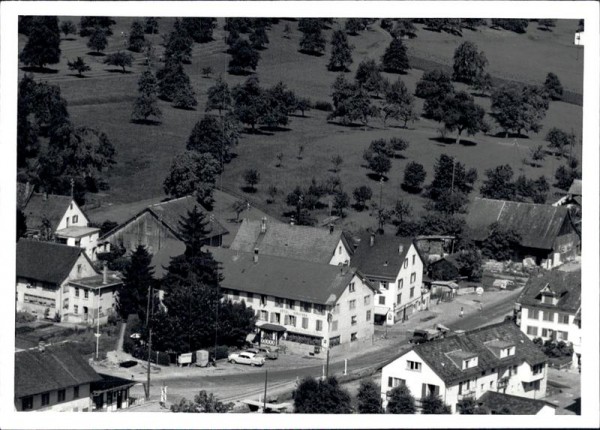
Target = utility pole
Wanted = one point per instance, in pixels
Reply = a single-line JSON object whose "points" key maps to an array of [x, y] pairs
{"points": [[97, 323], [453, 169], [149, 342], [327, 365], [265, 397]]}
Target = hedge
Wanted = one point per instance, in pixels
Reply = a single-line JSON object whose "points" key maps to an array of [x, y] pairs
{"points": [[160, 358]]}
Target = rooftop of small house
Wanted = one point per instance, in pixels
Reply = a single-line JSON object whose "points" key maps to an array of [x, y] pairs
{"points": [[41, 207], [381, 256], [97, 281], [565, 287], [517, 405], [77, 231]]}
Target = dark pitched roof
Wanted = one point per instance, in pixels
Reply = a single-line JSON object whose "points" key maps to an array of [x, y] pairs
{"points": [[170, 214], [538, 225], [283, 277], [46, 261], [566, 286], [436, 353], [57, 367], [314, 244], [384, 259], [51, 207], [495, 402], [110, 382], [575, 189]]}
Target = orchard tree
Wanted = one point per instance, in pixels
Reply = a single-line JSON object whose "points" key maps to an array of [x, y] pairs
{"points": [[178, 45], [341, 52], [98, 41], [137, 39], [192, 173], [450, 176], [146, 103], [434, 87], [258, 38], [216, 136], [368, 76], [67, 27], [250, 102], [251, 178], [559, 140], [314, 396], [340, 202], [87, 25], [553, 87], [119, 59], [369, 398], [243, 57], [151, 25], [200, 29], [462, 114], [546, 24], [414, 176], [500, 243], [312, 41], [218, 96], [401, 211], [537, 154], [138, 278], [43, 42], [395, 58], [399, 104], [173, 83], [401, 401], [498, 184], [78, 66], [361, 195], [482, 83], [379, 164], [354, 25], [404, 27], [468, 63], [511, 24], [351, 103], [564, 176], [519, 109], [336, 162], [303, 104]]}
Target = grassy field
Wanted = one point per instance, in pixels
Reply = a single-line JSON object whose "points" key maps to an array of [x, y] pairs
{"points": [[144, 153]]}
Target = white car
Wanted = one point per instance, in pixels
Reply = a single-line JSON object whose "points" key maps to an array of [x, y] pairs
{"points": [[246, 358]]}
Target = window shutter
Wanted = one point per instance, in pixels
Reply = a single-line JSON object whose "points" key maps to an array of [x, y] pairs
{"points": [[272, 317], [390, 381], [286, 320], [423, 390], [436, 391]]}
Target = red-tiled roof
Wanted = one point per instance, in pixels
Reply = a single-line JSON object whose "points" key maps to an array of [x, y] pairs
{"points": [[566, 286], [46, 261], [435, 353], [538, 225], [57, 367]]}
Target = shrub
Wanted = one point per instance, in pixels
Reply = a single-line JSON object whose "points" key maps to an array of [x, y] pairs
{"points": [[222, 352], [324, 106], [160, 358], [24, 317], [23, 330]]}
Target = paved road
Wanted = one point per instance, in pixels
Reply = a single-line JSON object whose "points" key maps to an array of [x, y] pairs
{"points": [[251, 383]]}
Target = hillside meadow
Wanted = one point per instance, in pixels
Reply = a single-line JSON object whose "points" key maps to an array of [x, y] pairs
{"points": [[104, 99]]}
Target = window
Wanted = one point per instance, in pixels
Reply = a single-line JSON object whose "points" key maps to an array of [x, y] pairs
{"points": [[548, 316], [275, 317], [235, 295], [45, 399], [278, 302], [549, 300], [352, 304], [413, 277], [75, 309], [353, 320], [405, 263], [414, 259], [528, 386], [264, 316], [71, 206], [78, 266], [336, 309], [86, 294], [532, 331], [399, 299], [99, 311], [562, 335], [76, 392], [563, 318], [400, 283], [334, 325], [382, 300], [340, 249], [537, 369], [304, 322], [383, 284], [368, 315], [67, 221], [319, 309], [76, 292], [413, 365], [27, 403], [352, 287], [250, 298], [263, 300], [306, 307], [533, 314], [546, 332], [353, 337], [292, 320], [491, 385], [289, 304], [412, 292], [75, 219], [367, 300], [61, 395], [319, 325], [396, 382]]}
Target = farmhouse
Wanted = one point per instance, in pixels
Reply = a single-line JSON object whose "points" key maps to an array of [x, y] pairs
{"points": [[59, 281], [396, 267], [547, 232], [56, 378], [315, 244], [157, 228], [497, 357], [299, 301], [551, 308], [59, 218]]}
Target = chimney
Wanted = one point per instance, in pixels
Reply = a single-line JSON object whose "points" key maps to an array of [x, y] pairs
{"points": [[41, 346], [263, 225], [104, 274], [372, 241], [330, 228], [255, 255], [400, 249]]}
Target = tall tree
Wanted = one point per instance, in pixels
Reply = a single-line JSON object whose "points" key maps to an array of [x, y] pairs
{"points": [[450, 175], [43, 43], [21, 224], [399, 104], [434, 86], [218, 96], [368, 76], [215, 136], [67, 27], [401, 401], [500, 243], [173, 81], [468, 63], [560, 141], [87, 25], [200, 29], [146, 103], [395, 58], [136, 36], [553, 87], [312, 41], [98, 41], [462, 114], [258, 38], [361, 195], [498, 184], [251, 177], [341, 52], [369, 398], [250, 102], [321, 397], [519, 109], [243, 57], [192, 173], [340, 202], [511, 24], [414, 176], [151, 25], [138, 278], [179, 44]]}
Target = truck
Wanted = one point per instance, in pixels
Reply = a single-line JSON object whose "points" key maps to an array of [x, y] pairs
{"points": [[428, 334]]}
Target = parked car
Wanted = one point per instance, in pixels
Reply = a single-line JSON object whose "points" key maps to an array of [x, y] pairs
{"points": [[427, 335], [246, 358], [271, 352]]}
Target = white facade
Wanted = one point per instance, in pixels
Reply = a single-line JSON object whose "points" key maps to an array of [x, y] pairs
{"points": [[340, 255], [73, 217], [402, 297], [73, 399], [350, 318], [410, 369]]}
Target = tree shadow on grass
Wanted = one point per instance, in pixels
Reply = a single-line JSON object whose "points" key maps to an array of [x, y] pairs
{"points": [[311, 53], [347, 125], [452, 141], [36, 69], [69, 39], [191, 108], [376, 177], [145, 122], [75, 75], [510, 135], [249, 190], [121, 71], [273, 129], [258, 131], [96, 54], [411, 190], [239, 72]]}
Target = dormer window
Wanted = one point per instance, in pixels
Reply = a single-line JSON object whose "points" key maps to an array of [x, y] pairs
{"points": [[470, 362], [548, 300], [507, 352]]}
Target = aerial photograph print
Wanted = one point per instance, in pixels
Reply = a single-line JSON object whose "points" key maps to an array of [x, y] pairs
{"points": [[241, 214]]}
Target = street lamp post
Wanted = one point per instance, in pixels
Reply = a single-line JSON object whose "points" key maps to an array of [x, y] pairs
{"points": [[97, 323]]}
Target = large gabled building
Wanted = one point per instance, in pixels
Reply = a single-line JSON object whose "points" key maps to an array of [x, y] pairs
{"points": [[497, 357]]}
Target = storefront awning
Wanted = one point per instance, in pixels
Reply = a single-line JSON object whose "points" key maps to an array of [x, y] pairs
{"points": [[272, 327]]}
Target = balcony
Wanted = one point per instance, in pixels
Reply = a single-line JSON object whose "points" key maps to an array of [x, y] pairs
{"points": [[529, 376], [467, 395]]}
